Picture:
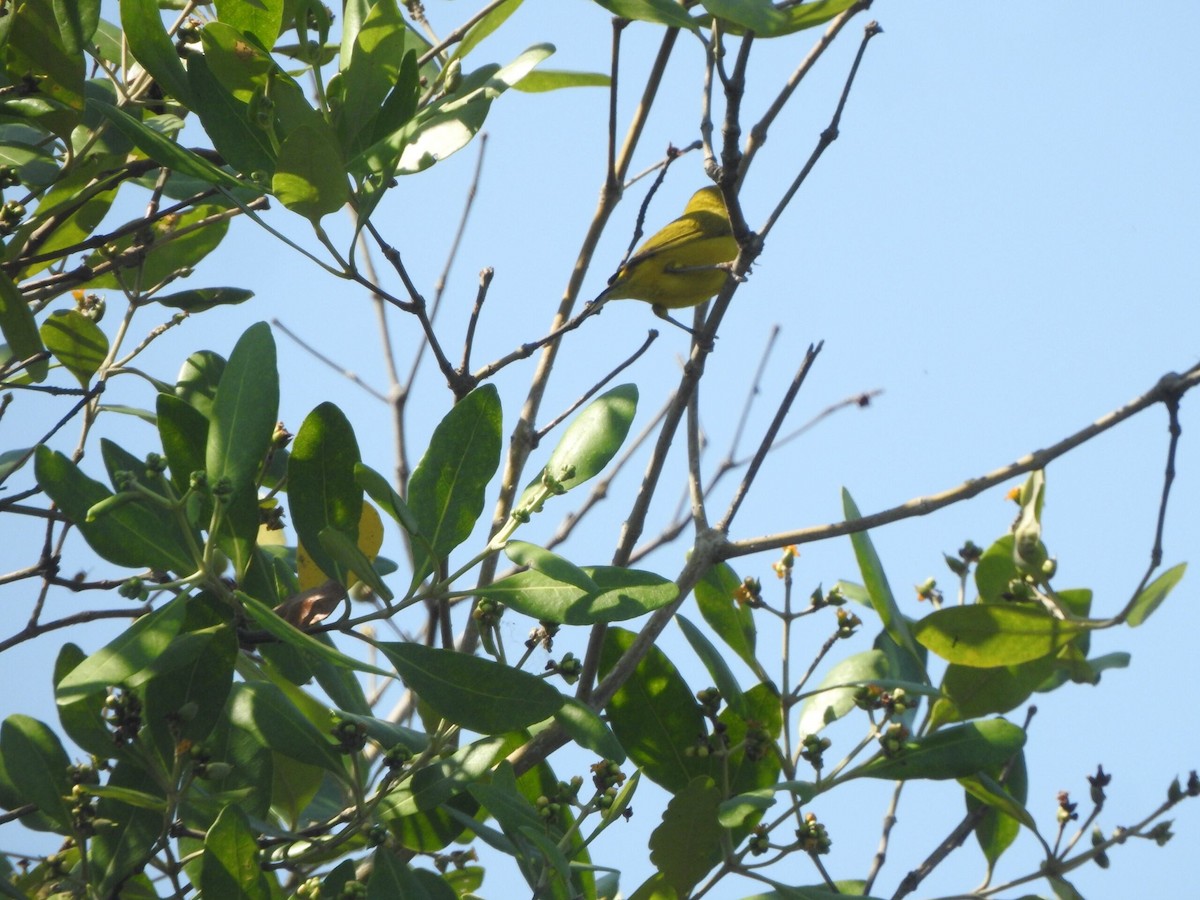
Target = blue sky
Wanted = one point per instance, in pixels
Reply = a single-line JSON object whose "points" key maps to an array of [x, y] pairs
{"points": [[1003, 240]]}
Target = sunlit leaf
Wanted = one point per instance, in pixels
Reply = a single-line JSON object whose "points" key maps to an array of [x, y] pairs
{"points": [[987, 634], [20, 329], [950, 753], [622, 594], [1154, 594]]}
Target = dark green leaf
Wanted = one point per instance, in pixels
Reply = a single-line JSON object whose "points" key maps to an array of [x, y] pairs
{"points": [[129, 535], [266, 712], [976, 692], [446, 492], [322, 490], [687, 844], [480, 695], [122, 849], [1001, 822], [950, 753], [796, 18], [623, 594], [77, 22], [183, 431], [36, 49], [81, 717], [76, 342], [654, 715], [204, 298], [723, 677], [35, 757], [152, 47], [230, 865], [20, 329], [987, 634], [239, 435]]}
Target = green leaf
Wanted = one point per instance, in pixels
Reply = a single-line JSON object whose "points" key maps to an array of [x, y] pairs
{"points": [[76, 342], [654, 715], [127, 655], [370, 68], [152, 47], [198, 378], [732, 622], [243, 420], [759, 16], [553, 566], [1006, 812], [122, 849], [380, 490], [446, 491], [322, 489], [588, 444], [687, 844], [795, 18], [974, 692], [723, 677], [20, 329], [622, 594], [986, 634], [478, 694], [36, 759], [660, 12], [183, 431], [130, 535], [230, 865], [77, 22], [310, 175], [1154, 594], [882, 600], [432, 785], [950, 753], [828, 706], [195, 301], [265, 618], [261, 19], [166, 152], [229, 123], [82, 717], [485, 26], [542, 80], [266, 712], [588, 730], [36, 49], [194, 673], [351, 560]]}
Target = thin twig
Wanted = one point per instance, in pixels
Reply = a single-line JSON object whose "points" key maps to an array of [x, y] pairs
{"points": [[768, 438], [651, 337], [828, 136], [321, 357], [1169, 386]]}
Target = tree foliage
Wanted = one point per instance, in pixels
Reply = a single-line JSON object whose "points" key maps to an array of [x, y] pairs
{"points": [[228, 739]]}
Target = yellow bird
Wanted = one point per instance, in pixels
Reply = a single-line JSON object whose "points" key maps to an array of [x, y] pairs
{"points": [[678, 266]]}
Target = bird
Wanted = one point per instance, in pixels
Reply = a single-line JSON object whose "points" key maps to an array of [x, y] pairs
{"points": [[684, 263]]}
